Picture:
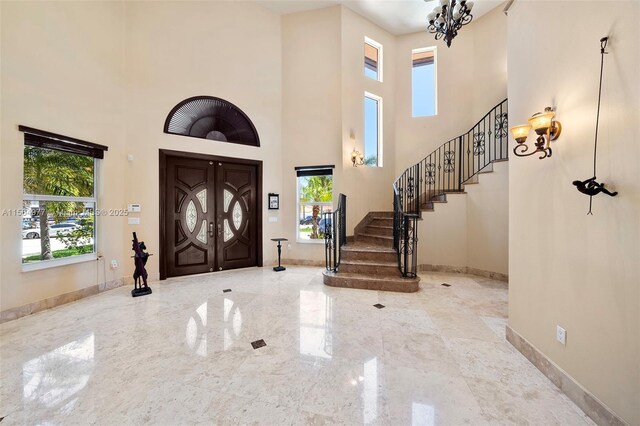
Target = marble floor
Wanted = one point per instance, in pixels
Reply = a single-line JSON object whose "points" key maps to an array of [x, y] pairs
{"points": [[183, 355]]}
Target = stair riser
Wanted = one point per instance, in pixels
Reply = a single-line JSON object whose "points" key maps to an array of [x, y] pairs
{"points": [[391, 271], [378, 241], [395, 284], [382, 222], [372, 256], [385, 232]]}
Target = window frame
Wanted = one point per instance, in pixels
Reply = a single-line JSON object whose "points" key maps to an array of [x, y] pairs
{"points": [[433, 49], [380, 116], [378, 46], [321, 204], [44, 264]]}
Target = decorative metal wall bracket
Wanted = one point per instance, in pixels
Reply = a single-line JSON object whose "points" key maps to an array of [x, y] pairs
{"points": [[545, 127]]}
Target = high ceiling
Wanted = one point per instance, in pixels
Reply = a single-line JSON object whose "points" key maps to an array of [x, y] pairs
{"points": [[396, 16]]}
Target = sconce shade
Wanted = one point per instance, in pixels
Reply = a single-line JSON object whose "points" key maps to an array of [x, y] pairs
{"points": [[521, 132], [541, 121]]}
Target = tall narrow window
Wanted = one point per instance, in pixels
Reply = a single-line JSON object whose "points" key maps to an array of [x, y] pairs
{"points": [[372, 130], [424, 82], [315, 197], [372, 59], [59, 197]]}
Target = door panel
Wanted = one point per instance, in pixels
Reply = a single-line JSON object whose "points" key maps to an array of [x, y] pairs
{"points": [[236, 215], [210, 215], [189, 213]]}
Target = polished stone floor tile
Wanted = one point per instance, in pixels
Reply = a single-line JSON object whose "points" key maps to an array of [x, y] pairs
{"points": [[184, 355]]}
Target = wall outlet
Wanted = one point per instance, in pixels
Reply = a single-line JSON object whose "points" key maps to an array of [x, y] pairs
{"points": [[561, 335], [114, 264], [133, 220]]}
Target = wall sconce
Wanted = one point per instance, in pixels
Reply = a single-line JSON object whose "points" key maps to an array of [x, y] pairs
{"points": [[357, 158], [545, 127]]}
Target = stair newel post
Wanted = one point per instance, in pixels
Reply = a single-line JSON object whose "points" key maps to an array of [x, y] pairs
{"points": [[336, 238], [460, 157]]}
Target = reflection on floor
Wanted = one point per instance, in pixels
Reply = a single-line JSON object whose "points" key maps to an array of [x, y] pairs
{"points": [[183, 355]]}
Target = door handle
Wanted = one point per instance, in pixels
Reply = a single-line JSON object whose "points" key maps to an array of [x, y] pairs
{"points": [[219, 228], [211, 229]]}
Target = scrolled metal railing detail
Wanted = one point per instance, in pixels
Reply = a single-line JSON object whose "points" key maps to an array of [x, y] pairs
{"points": [[444, 170], [335, 234]]}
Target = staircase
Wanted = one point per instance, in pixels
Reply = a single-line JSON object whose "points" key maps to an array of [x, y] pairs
{"points": [[383, 255], [371, 262]]}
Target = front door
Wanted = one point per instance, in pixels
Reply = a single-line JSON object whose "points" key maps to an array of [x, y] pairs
{"points": [[210, 216], [237, 218]]}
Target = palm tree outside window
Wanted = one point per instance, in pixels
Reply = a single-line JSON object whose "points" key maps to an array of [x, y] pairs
{"points": [[59, 197], [315, 196]]}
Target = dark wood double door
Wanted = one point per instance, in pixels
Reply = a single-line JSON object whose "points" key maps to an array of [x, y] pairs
{"points": [[211, 215]]}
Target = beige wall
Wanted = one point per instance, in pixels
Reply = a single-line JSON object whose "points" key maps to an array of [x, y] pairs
{"points": [[324, 103], [471, 79], [62, 71], [488, 221], [176, 50], [470, 230], [367, 188], [567, 268], [311, 110], [442, 234]]}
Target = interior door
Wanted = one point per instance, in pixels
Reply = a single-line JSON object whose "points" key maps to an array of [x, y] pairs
{"points": [[189, 216], [236, 208]]}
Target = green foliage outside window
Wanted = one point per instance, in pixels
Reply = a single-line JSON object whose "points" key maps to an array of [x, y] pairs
{"points": [[51, 172], [316, 189]]}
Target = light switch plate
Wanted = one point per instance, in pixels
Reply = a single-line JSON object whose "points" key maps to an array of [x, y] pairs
{"points": [[133, 220], [273, 218], [134, 208]]}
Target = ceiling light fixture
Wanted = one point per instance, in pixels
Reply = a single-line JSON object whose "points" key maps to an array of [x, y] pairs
{"points": [[447, 18]]}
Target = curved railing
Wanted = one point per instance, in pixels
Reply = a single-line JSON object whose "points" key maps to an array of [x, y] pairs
{"points": [[444, 170], [335, 233]]}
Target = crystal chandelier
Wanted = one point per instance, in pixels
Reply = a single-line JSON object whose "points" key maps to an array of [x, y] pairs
{"points": [[448, 18]]}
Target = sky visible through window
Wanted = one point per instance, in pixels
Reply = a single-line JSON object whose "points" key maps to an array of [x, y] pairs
{"points": [[368, 72], [424, 100], [370, 131]]}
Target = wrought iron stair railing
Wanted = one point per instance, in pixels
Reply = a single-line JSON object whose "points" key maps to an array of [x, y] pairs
{"points": [[335, 234], [444, 170]]}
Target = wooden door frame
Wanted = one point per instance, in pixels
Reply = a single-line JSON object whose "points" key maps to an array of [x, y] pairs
{"points": [[164, 153]]}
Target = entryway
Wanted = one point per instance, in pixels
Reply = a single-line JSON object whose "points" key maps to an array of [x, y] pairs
{"points": [[210, 213]]}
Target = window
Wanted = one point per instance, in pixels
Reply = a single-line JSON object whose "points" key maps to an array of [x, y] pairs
{"points": [[315, 196], [372, 130], [424, 82], [59, 201], [372, 59]]}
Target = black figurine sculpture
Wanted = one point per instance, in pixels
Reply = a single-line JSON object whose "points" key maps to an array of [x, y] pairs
{"points": [[140, 260], [590, 186]]}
